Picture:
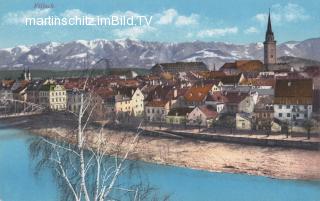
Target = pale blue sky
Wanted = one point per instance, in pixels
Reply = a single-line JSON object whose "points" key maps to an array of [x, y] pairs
{"points": [[173, 20]]}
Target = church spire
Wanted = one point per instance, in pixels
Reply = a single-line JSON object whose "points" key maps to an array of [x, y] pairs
{"points": [[269, 33]]}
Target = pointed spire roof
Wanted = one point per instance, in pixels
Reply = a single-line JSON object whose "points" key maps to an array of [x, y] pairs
{"points": [[269, 33], [269, 29]]}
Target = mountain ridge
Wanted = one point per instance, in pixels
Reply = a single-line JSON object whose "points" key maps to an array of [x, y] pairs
{"points": [[142, 54]]}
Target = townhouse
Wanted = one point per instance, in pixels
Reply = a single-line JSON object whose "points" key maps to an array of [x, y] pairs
{"points": [[293, 100], [53, 96], [126, 101]]}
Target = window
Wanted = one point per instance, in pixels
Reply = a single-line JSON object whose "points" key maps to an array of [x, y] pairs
{"points": [[305, 115], [288, 114], [288, 106], [148, 110], [298, 115], [280, 106], [305, 107], [152, 110], [280, 114]]}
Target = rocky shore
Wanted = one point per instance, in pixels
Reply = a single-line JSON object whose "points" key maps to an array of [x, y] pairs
{"points": [[272, 162]]}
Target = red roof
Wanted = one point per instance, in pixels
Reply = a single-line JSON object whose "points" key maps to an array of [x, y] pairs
{"points": [[197, 93], [209, 111]]}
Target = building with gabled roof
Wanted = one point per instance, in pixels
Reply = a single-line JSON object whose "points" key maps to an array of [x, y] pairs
{"points": [[178, 115], [125, 101], [241, 66], [19, 90], [156, 110], [197, 95], [203, 115]]}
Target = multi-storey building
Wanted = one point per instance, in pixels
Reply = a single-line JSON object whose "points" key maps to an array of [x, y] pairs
{"points": [[53, 96], [157, 110], [127, 101], [293, 100]]}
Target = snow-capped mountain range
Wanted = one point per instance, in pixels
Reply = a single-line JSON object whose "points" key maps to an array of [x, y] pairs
{"points": [[142, 54]]}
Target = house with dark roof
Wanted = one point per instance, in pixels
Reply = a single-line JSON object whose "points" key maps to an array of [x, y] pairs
{"points": [[263, 113], [19, 90], [293, 99], [232, 80], [33, 91], [217, 100], [178, 115], [239, 102]]}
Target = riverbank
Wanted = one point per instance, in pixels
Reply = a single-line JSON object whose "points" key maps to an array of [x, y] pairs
{"points": [[212, 156]]}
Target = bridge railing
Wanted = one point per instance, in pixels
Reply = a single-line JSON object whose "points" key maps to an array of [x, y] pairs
{"points": [[13, 107]]}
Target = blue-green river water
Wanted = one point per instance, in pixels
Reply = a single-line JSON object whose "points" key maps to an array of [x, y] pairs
{"points": [[19, 183]]}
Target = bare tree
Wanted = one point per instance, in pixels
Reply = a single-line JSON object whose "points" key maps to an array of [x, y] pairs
{"points": [[83, 170], [199, 122], [308, 125]]}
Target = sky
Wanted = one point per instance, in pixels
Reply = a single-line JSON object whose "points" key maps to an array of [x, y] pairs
{"points": [[232, 21]]}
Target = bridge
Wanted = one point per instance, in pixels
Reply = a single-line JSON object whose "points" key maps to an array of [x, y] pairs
{"points": [[15, 108]]}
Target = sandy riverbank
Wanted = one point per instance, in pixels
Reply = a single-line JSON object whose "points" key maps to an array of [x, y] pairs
{"points": [[217, 157]]}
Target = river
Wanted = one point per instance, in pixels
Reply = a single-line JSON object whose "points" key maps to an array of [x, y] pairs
{"points": [[19, 183]]}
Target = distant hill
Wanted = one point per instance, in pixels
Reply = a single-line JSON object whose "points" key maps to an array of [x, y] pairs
{"points": [[36, 73], [134, 53], [297, 62]]}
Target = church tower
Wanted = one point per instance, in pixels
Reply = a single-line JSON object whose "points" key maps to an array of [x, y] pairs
{"points": [[270, 56]]}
